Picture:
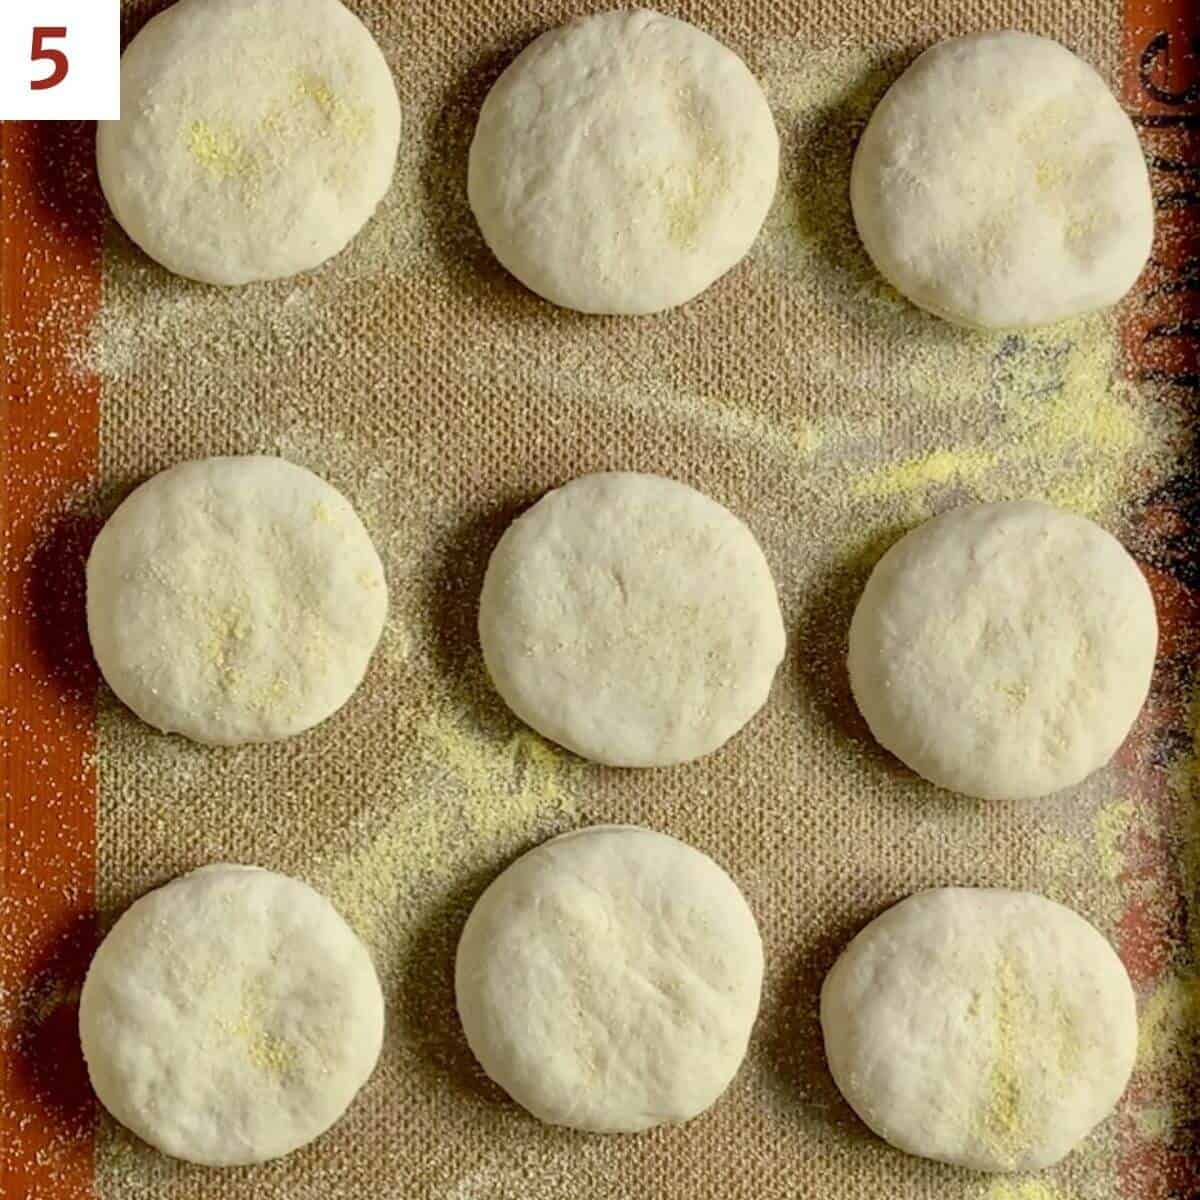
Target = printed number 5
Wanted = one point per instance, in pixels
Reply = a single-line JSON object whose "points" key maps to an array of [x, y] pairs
{"points": [[41, 53]]}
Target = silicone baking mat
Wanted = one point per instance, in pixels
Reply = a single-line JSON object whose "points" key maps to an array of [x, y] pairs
{"points": [[442, 398]]}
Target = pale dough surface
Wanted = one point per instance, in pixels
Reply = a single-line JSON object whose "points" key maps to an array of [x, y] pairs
{"points": [[999, 184], [609, 980], [623, 163], [982, 1027], [234, 600], [631, 619], [256, 137], [1004, 650], [230, 1016]]}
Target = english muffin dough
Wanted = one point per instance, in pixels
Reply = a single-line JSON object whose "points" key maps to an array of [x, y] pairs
{"points": [[623, 163], [234, 600], [1003, 650], [631, 619], [982, 1027], [609, 980], [256, 137], [999, 184], [230, 1016]]}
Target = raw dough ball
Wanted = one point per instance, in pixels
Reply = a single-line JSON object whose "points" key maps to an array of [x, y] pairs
{"points": [[631, 619], [230, 1016], [981, 1027], [1000, 185], [256, 137], [609, 980], [1003, 650], [623, 163], [234, 600]]}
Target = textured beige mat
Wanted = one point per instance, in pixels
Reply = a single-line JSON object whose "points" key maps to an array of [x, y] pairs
{"points": [[420, 379]]}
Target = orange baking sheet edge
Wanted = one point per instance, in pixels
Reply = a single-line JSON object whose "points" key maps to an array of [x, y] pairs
{"points": [[51, 226], [1161, 340]]}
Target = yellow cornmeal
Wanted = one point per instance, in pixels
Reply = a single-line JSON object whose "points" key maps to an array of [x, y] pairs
{"points": [[221, 657], [1081, 226], [1003, 1123], [267, 1050], [271, 1053], [1017, 692], [1023, 1032], [691, 197], [1022, 1189], [1086, 418], [1049, 173], [1185, 784], [247, 154], [1038, 136], [1064, 428], [1112, 826], [1065, 1035], [1169, 1026], [1097, 842], [925, 470], [219, 150], [352, 122], [470, 799], [954, 414], [1155, 1123]]}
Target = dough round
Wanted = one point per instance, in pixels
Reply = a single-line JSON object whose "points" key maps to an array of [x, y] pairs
{"points": [[631, 619], [230, 1016], [1003, 650], [256, 137], [623, 163], [1000, 185], [609, 980], [981, 1027], [234, 600]]}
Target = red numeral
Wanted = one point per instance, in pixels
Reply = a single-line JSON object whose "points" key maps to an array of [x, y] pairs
{"points": [[41, 53]]}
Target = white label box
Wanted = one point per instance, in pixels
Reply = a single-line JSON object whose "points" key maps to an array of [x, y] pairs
{"points": [[60, 60]]}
